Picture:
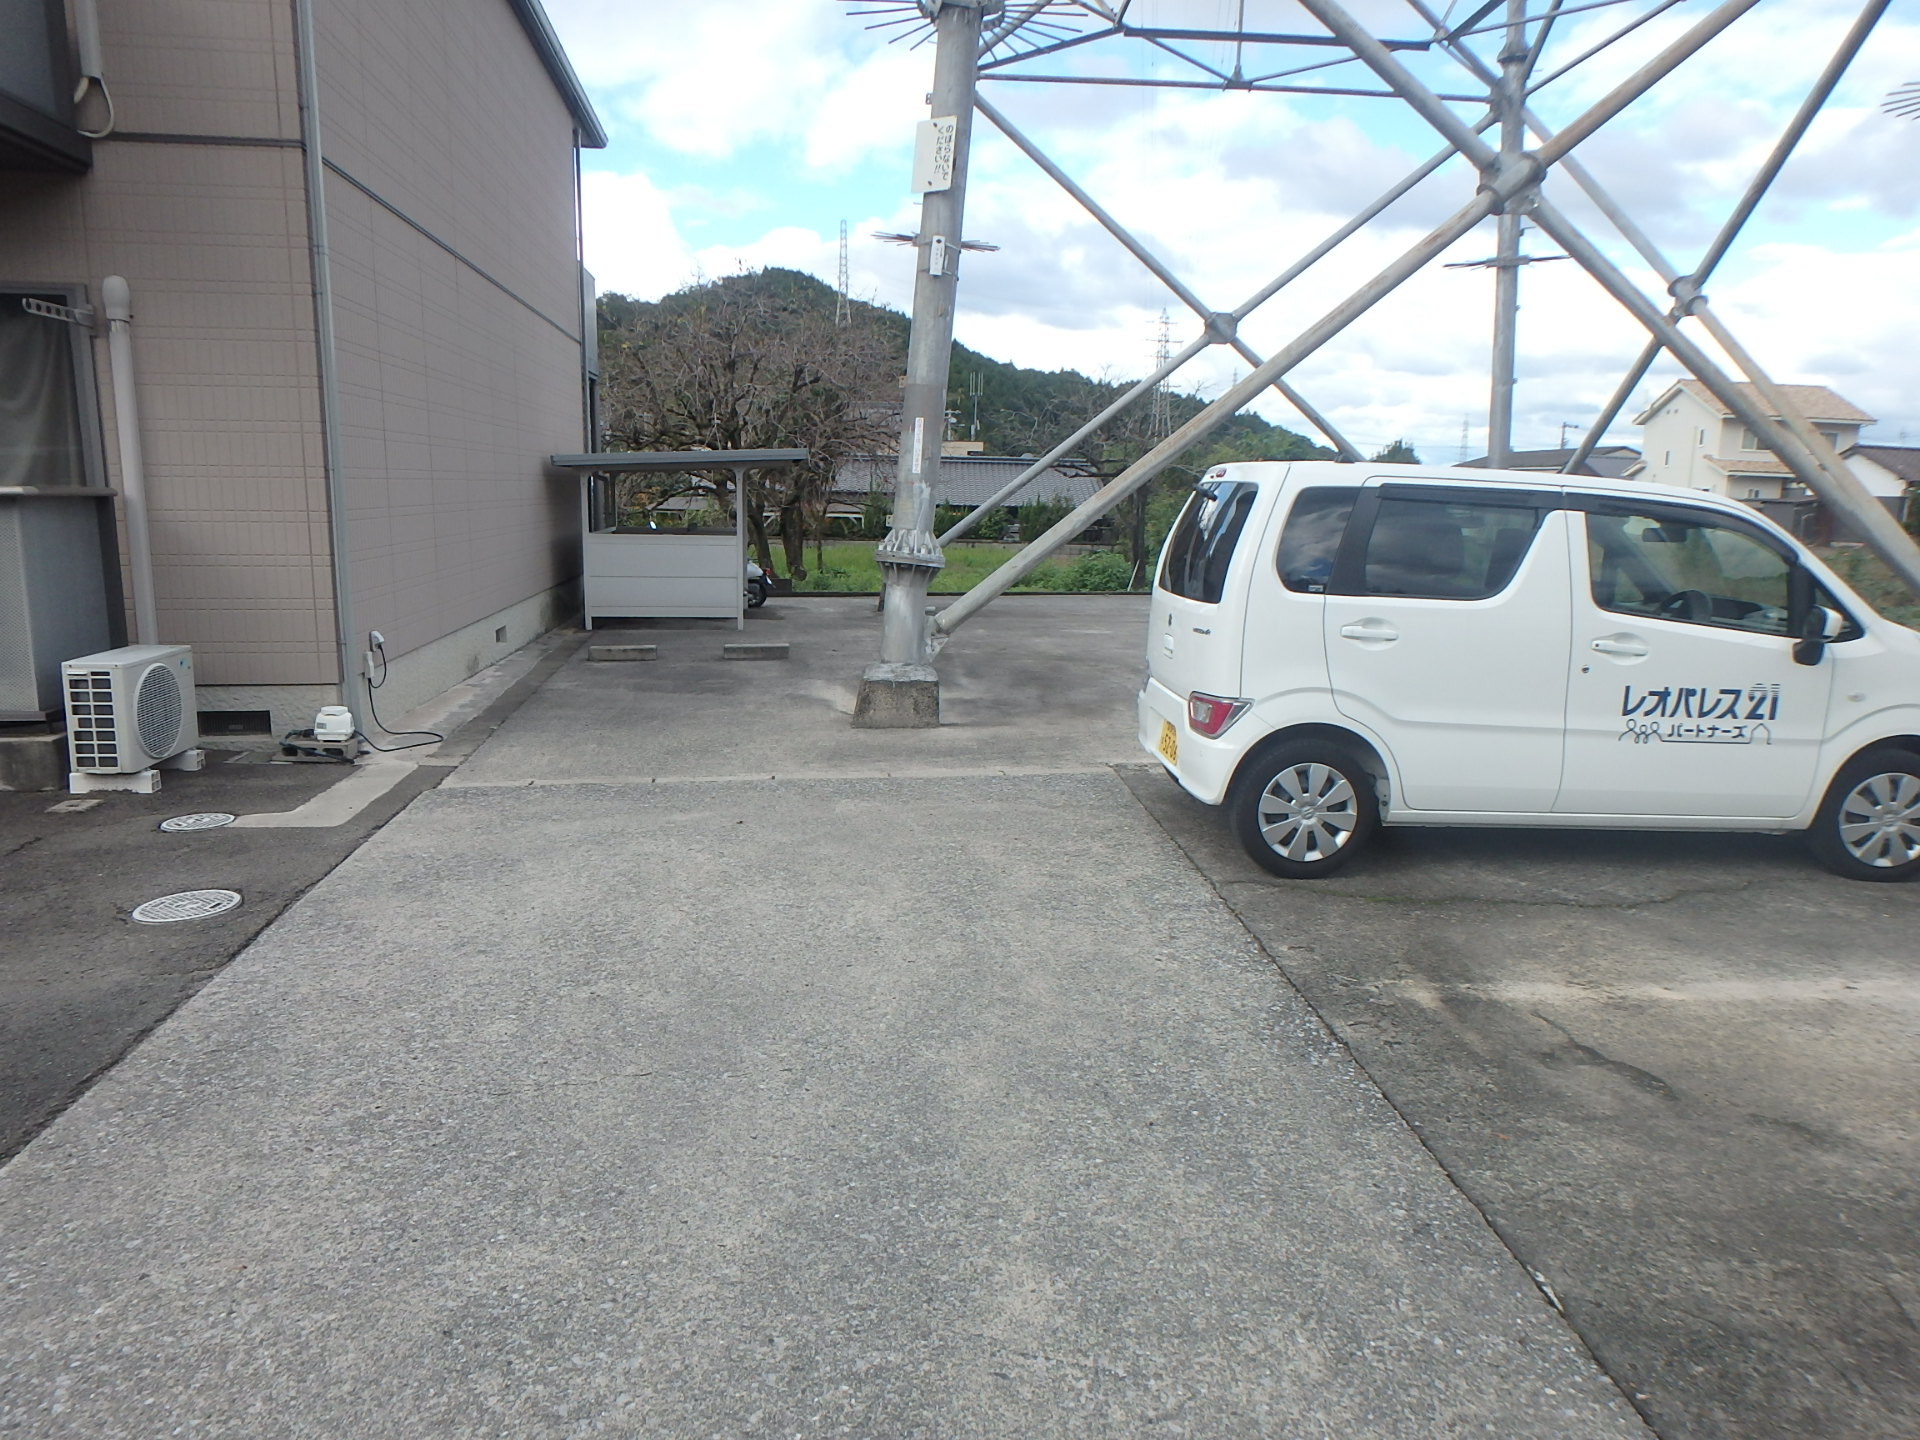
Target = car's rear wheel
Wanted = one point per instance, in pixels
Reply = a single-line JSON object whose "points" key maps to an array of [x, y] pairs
{"points": [[1302, 808], [1868, 827]]}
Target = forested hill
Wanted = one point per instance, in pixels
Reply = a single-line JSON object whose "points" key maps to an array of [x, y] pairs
{"points": [[1020, 411]]}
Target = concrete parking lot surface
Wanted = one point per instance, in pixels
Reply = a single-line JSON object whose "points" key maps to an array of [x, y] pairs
{"points": [[80, 982], [728, 1105], [1678, 1073], [688, 1063]]}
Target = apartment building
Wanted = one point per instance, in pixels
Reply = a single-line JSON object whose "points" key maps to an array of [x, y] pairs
{"points": [[352, 327]]}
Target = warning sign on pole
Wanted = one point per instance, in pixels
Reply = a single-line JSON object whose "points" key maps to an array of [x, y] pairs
{"points": [[933, 154]]}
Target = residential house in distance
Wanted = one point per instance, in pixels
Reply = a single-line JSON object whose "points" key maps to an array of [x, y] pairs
{"points": [[1610, 461], [1696, 443], [964, 479], [1890, 471], [359, 325]]}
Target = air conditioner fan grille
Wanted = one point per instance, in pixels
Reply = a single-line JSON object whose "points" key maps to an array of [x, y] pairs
{"points": [[158, 711]]}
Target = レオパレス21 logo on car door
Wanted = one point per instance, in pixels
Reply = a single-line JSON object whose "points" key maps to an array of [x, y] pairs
{"points": [[1700, 714]]}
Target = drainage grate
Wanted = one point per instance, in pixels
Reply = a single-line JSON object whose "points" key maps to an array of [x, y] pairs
{"points": [[187, 905], [205, 820]]}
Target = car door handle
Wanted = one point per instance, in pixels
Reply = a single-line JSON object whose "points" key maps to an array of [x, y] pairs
{"points": [[1620, 647], [1370, 630]]}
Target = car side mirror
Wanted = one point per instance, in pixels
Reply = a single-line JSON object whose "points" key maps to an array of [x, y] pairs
{"points": [[1821, 627]]}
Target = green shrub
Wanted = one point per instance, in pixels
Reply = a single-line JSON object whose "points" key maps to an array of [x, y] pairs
{"points": [[1039, 516], [1103, 570]]}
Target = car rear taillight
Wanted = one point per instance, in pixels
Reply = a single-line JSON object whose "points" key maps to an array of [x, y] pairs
{"points": [[1208, 715]]}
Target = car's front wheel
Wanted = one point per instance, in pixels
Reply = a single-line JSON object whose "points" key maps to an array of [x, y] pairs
{"points": [[1868, 827], [1302, 808]]}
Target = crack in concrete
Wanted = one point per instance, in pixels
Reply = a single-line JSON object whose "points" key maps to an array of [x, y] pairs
{"points": [[1586, 1055]]}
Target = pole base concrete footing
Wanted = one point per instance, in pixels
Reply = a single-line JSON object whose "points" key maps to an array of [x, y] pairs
{"points": [[897, 697]]}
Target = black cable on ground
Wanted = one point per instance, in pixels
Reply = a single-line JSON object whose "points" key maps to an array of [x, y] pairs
{"points": [[374, 710]]}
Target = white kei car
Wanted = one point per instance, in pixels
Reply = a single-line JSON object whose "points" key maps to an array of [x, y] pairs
{"points": [[1335, 647]]}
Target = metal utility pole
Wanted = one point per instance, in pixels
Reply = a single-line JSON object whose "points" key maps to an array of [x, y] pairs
{"points": [[903, 690], [1510, 97]]}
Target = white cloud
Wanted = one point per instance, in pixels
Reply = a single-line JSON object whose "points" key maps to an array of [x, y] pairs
{"points": [[868, 113], [1230, 189], [714, 77], [631, 242]]}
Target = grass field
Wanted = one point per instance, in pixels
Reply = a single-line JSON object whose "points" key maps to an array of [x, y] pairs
{"points": [[847, 566], [1869, 576]]}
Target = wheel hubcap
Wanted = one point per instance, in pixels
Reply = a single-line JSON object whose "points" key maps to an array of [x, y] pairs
{"points": [[1308, 812], [1880, 820]]}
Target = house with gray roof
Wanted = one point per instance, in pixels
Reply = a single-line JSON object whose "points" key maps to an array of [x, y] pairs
{"points": [[966, 480], [1891, 472], [1609, 461]]}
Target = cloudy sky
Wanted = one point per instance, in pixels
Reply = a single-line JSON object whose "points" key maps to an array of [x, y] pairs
{"points": [[744, 132]]}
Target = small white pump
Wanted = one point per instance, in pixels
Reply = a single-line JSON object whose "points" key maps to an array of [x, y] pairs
{"points": [[333, 725]]}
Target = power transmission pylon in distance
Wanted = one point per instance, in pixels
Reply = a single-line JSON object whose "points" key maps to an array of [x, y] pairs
{"points": [[842, 309], [1160, 417]]}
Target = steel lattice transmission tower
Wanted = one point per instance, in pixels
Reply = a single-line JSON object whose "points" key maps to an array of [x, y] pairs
{"points": [[1160, 417], [1483, 82], [842, 307]]}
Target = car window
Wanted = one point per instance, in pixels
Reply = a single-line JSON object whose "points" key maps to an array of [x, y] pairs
{"points": [[1691, 569], [1464, 549], [1201, 546], [1311, 540]]}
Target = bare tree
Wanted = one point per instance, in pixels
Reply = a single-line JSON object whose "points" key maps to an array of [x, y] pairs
{"points": [[754, 361]]}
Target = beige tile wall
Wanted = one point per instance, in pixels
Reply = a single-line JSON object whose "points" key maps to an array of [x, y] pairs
{"points": [[223, 344], [458, 376], [452, 391], [443, 107], [451, 395], [202, 67]]}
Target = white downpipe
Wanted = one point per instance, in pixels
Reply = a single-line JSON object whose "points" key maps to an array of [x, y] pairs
{"points": [[116, 298]]}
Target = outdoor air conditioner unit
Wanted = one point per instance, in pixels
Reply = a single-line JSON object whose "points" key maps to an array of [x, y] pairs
{"points": [[129, 710]]}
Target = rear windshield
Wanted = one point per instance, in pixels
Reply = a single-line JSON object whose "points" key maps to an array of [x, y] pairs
{"points": [[1201, 546]]}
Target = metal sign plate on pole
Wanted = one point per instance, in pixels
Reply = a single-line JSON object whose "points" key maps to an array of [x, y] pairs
{"points": [[933, 155]]}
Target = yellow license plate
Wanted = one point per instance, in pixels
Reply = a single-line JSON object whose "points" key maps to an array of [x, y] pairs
{"points": [[1169, 746]]}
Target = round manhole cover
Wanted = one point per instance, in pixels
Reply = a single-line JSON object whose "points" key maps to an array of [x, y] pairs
{"points": [[187, 905], [206, 820]]}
